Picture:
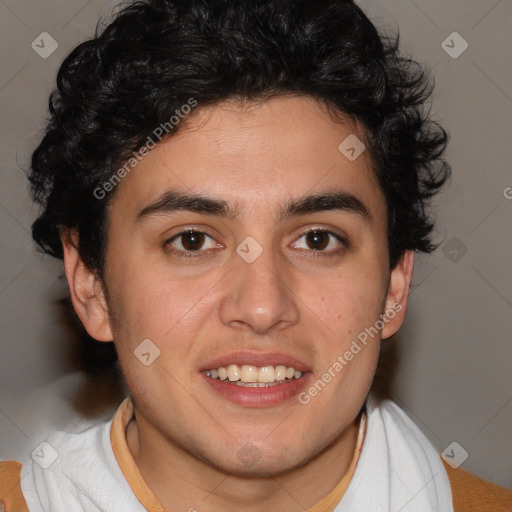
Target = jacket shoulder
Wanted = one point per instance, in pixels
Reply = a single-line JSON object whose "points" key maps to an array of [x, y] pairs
{"points": [[472, 494], [11, 497]]}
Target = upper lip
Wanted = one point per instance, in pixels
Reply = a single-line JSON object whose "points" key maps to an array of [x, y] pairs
{"points": [[255, 358]]}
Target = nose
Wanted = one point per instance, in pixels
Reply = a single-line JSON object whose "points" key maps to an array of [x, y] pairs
{"points": [[259, 296]]}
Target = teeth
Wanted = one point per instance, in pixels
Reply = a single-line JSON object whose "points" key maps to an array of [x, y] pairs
{"points": [[280, 372], [266, 374], [249, 373], [253, 376], [233, 372]]}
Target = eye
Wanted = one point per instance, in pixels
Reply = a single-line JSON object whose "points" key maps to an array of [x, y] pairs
{"points": [[320, 240], [191, 241]]}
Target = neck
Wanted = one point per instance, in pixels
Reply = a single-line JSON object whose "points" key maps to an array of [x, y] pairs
{"points": [[182, 482]]}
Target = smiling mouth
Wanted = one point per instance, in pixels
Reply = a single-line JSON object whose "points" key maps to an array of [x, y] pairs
{"points": [[254, 376]]}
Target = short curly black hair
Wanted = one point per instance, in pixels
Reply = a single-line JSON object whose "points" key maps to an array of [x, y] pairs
{"points": [[113, 90]]}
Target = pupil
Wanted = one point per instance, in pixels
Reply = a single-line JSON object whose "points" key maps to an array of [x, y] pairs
{"points": [[318, 239], [192, 240]]}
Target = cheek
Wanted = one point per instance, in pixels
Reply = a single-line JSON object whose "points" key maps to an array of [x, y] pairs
{"points": [[349, 301], [165, 307], [350, 308], [155, 308]]}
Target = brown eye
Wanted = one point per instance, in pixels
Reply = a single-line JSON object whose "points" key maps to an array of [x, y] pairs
{"points": [[192, 240], [317, 240], [320, 241]]}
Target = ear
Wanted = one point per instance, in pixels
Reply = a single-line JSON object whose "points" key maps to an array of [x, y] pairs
{"points": [[86, 290], [398, 294]]}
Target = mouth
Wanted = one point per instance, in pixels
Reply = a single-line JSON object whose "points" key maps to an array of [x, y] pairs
{"points": [[254, 376], [256, 379]]}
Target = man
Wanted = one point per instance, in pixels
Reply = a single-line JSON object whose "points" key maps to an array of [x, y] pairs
{"points": [[237, 190]]}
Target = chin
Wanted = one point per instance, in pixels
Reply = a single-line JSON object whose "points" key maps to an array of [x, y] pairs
{"points": [[252, 462]]}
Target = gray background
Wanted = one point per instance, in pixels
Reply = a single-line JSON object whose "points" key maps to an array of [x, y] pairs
{"points": [[454, 375]]}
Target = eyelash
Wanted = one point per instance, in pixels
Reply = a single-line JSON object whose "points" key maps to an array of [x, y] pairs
{"points": [[187, 254], [202, 253], [322, 253]]}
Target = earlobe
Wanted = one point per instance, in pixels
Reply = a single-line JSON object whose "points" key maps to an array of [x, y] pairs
{"points": [[398, 294], [86, 290]]}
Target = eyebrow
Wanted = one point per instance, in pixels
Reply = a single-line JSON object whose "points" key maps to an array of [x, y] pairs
{"points": [[339, 200], [173, 200]]}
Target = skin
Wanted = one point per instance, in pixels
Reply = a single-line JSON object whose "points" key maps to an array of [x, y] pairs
{"points": [[291, 299]]}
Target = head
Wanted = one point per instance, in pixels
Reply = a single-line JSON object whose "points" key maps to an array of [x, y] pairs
{"points": [[289, 142]]}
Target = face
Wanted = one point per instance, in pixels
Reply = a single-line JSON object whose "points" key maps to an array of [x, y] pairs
{"points": [[249, 242]]}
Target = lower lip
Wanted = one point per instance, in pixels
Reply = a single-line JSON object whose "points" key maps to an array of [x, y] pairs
{"points": [[258, 397]]}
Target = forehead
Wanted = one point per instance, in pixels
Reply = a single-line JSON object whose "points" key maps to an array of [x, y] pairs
{"points": [[254, 155]]}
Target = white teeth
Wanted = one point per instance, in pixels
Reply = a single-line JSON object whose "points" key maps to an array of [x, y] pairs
{"points": [[249, 373], [233, 372], [254, 376], [280, 372], [266, 374]]}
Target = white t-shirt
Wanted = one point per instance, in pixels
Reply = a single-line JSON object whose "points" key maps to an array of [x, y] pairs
{"points": [[398, 470]]}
